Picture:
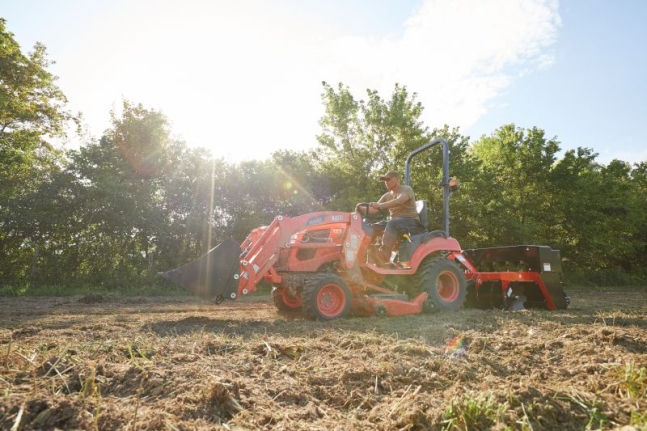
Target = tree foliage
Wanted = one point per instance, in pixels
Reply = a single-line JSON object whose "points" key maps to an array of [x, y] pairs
{"points": [[362, 139], [31, 113], [515, 198]]}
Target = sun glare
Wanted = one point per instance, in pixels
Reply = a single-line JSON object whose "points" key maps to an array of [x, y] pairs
{"points": [[243, 79]]}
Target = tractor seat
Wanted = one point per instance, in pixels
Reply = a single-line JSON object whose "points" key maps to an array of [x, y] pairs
{"points": [[421, 207]]}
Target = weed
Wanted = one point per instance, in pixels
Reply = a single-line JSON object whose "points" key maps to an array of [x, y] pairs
{"points": [[89, 388], [633, 383], [133, 353], [524, 422], [473, 412], [639, 420], [6, 358], [597, 419]]}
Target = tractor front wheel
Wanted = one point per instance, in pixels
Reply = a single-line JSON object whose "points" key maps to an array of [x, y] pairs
{"points": [[284, 300], [325, 297], [444, 283]]}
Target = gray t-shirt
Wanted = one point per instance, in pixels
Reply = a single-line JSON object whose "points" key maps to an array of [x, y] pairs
{"points": [[408, 209]]}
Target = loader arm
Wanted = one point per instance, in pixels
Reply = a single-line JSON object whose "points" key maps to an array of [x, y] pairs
{"points": [[229, 270], [263, 248]]}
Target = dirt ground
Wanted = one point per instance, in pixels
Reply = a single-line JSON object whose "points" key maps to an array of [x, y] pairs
{"points": [[169, 363]]}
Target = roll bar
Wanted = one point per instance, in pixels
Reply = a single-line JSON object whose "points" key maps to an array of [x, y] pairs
{"points": [[444, 182]]}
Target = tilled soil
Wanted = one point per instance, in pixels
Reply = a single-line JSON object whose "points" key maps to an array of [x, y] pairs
{"points": [[168, 363]]}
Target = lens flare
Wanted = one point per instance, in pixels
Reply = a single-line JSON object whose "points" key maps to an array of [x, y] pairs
{"points": [[456, 348]]}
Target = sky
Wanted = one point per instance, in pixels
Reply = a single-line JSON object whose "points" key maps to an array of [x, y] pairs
{"points": [[244, 77]]}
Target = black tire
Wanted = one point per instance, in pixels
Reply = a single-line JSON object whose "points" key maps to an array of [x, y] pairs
{"points": [[284, 301], [444, 282], [325, 296]]}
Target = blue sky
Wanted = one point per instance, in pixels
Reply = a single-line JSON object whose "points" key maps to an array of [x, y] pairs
{"points": [[595, 93], [243, 78]]}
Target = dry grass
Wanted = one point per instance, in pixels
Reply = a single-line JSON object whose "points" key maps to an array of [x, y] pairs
{"points": [[181, 364]]}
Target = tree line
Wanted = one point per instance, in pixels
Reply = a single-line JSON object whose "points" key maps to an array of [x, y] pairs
{"points": [[119, 209]]}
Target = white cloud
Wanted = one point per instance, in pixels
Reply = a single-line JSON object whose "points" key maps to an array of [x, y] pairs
{"points": [[457, 55], [245, 77]]}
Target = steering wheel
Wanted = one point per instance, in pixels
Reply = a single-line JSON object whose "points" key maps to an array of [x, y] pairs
{"points": [[380, 215]]}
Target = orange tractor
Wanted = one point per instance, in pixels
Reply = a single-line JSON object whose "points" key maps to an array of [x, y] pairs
{"points": [[320, 263]]}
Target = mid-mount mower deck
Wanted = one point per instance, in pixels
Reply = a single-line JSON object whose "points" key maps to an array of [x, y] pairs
{"points": [[320, 263]]}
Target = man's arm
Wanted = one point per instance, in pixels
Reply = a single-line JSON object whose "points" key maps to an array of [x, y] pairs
{"points": [[362, 209], [384, 204]]}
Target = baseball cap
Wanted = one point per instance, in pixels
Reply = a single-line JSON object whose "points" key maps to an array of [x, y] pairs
{"points": [[389, 175]]}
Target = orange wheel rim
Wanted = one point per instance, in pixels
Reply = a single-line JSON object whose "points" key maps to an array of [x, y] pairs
{"points": [[448, 286], [331, 300]]}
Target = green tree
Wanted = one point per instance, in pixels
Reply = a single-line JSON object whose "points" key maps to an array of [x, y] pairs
{"points": [[191, 204], [623, 211], [639, 193], [599, 215], [252, 193], [576, 180], [117, 184], [32, 115], [514, 203], [303, 188], [361, 139]]}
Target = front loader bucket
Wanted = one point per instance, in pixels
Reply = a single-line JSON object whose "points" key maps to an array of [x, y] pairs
{"points": [[212, 275]]}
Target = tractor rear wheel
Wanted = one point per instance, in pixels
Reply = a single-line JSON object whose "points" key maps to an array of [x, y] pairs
{"points": [[325, 297], [444, 282], [284, 300]]}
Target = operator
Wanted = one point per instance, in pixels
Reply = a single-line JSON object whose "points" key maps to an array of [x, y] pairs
{"points": [[401, 203]]}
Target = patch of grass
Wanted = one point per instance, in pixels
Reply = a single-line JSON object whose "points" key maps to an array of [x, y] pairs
{"points": [[473, 412], [593, 408], [639, 420], [9, 290], [632, 381]]}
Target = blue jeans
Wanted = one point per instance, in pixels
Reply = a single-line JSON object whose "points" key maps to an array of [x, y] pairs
{"points": [[395, 228]]}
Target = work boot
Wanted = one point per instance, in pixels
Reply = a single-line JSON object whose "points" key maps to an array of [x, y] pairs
{"points": [[388, 243]]}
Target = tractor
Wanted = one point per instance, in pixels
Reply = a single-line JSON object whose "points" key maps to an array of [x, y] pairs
{"points": [[321, 264]]}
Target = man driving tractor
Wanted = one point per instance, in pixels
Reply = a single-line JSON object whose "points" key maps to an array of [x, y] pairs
{"points": [[400, 201]]}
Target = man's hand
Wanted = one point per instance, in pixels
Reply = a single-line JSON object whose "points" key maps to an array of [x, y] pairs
{"points": [[373, 207], [366, 207]]}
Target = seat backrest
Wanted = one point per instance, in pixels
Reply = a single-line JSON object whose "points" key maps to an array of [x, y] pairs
{"points": [[421, 207]]}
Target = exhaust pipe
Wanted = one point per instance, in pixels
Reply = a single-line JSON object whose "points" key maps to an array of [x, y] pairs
{"points": [[212, 276]]}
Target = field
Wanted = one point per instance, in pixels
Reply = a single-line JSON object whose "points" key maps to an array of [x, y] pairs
{"points": [[179, 363]]}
